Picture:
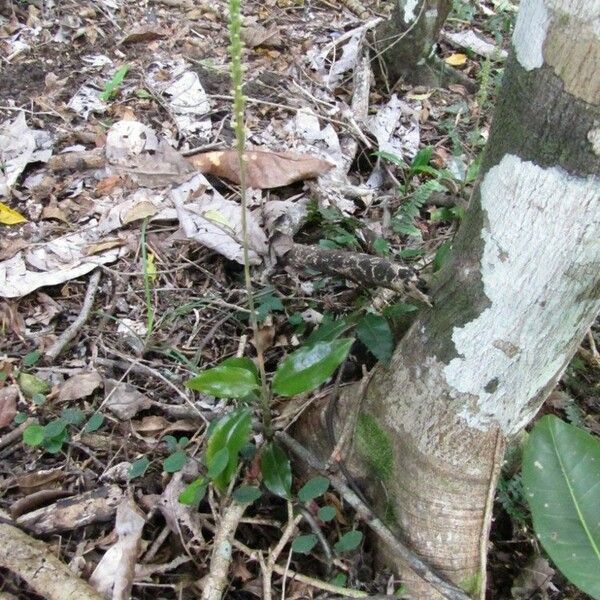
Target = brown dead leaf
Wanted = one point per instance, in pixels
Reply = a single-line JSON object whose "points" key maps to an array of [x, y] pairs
{"points": [[124, 400], [140, 211], [113, 577], [31, 482], [108, 184], [264, 169], [79, 386], [142, 34], [8, 404], [54, 212], [257, 35], [149, 425]]}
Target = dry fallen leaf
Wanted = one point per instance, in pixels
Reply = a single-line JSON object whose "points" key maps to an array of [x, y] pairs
{"points": [[142, 34], [8, 216], [113, 577], [79, 386], [257, 35], [456, 60], [8, 404], [124, 400], [264, 169]]}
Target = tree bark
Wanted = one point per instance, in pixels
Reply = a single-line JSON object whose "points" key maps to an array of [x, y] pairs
{"points": [[509, 309], [405, 45]]}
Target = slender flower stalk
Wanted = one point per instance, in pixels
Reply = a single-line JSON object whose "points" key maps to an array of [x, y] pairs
{"points": [[237, 78]]}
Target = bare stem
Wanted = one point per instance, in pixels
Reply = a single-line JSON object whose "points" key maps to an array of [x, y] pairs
{"points": [[235, 48]]}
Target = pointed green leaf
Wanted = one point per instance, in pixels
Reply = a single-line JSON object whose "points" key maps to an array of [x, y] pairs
{"points": [[194, 493], [561, 474], [349, 541], [246, 494], [328, 330], [96, 421], [303, 544], [138, 467], [276, 470], [375, 333], [231, 432], [225, 382], [310, 366], [218, 463], [313, 488], [242, 362]]}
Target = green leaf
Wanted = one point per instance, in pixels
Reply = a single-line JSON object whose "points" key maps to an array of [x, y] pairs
{"points": [[73, 416], [328, 330], [20, 417], [30, 384], [242, 362], [422, 158], [313, 488], [349, 541], [393, 158], [310, 366], [231, 432], [96, 421], [561, 474], [55, 428], [276, 470], [375, 333], [171, 442], [326, 513], [340, 580], [38, 399], [33, 435], [32, 358], [138, 467], [55, 444], [112, 87], [303, 544], [246, 494], [225, 382], [397, 310], [174, 462], [218, 463], [194, 493], [266, 304]]}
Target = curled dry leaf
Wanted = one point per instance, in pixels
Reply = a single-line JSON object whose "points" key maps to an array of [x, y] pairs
{"points": [[8, 404], [113, 577], [142, 34], [264, 169], [80, 386]]}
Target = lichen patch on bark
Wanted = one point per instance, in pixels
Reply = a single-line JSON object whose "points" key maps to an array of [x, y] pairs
{"points": [[530, 33], [525, 271]]}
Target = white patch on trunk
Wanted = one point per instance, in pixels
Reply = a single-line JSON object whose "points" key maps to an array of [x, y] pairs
{"points": [[594, 138], [541, 255], [409, 10], [530, 33]]}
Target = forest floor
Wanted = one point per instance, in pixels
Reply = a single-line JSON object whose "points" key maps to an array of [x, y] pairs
{"points": [[98, 432]]}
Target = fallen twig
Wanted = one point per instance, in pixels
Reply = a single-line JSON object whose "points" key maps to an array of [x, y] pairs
{"points": [[70, 332], [216, 581], [414, 562], [31, 560]]}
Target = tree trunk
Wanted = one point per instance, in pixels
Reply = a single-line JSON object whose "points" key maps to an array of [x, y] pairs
{"points": [[405, 44], [509, 309]]}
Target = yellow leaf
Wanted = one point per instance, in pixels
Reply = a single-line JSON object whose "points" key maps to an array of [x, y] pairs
{"points": [[217, 218], [456, 60], [8, 216], [151, 267]]}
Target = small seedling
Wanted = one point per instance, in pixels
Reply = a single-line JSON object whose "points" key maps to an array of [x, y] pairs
{"points": [[112, 87]]}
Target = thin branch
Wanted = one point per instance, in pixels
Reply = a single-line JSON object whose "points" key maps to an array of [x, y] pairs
{"points": [[414, 562], [73, 329], [217, 581]]}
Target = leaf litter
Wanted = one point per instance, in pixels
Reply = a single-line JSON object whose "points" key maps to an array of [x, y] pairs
{"points": [[82, 173]]}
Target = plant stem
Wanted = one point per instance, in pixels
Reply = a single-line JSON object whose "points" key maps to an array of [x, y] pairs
{"points": [[147, 283], [235, 48]]}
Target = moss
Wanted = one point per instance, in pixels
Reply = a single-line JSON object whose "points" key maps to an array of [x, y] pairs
{"points": [[471, 584], [389, 514], [374, 446]]}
